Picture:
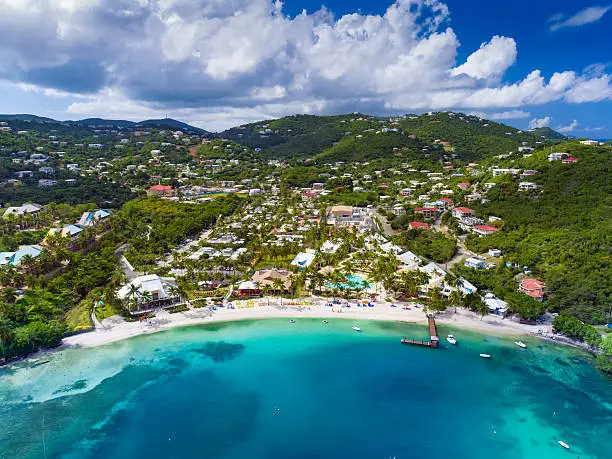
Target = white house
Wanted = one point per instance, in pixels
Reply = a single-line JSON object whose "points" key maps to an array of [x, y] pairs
{"points": [[304, 259], [149, 292], [526, 186], [23, 210], [474, 263]]}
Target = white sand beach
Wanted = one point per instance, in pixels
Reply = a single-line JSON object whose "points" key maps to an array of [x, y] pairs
{"points": [[116, 328]]}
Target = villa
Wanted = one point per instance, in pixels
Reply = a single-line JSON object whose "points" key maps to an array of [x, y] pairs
{"points": [[427, 212], [26, 209], [92, 218], [460, 212], [15, 258], [533, 287], [149, 292], [484, 230], [329, 247], [418, 225], [474, 263], [160, 190]]}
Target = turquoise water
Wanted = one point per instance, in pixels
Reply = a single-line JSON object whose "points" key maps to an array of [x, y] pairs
{"points": [[271, 389], [354, 281]]}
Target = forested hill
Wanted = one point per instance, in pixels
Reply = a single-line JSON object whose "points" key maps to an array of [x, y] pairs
{"points": [[562, 230], [334, 137]]}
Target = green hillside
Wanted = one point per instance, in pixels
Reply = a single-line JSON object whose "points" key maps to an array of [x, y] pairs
{"points": [[563, 231], [336, 137]]}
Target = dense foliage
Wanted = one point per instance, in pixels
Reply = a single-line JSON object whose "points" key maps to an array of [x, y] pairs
{"points": [[433, 245], [562, 232]]}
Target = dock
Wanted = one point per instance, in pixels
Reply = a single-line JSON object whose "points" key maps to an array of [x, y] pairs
{"points": [[433, 335]]}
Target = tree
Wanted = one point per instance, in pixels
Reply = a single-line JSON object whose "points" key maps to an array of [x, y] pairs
{"points": [[455, 298]]}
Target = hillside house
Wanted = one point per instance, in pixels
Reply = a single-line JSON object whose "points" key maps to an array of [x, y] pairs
{"points": [[533, 287], [427, 212], [460, 212], [160, 190], [26, 209], [146, 293], [474, 263], [484, 230]]}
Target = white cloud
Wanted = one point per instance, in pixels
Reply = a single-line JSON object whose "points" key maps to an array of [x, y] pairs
{"points": [[569, 128], [491, 60], [583, 17], [540, 122], [248, 58]]}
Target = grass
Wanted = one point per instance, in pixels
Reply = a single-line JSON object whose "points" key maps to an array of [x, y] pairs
{"points": [[278, 262], [78, 318]]}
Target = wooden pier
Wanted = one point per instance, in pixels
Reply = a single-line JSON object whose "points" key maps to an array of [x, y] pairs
{"points": [[433, 335]]}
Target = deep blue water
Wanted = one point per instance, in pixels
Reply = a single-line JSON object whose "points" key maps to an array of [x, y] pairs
{"points": [[270, 389]]}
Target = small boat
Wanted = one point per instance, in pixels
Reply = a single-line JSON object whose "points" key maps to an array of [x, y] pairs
{"points": [[325, 321], [292, 321], [563, 444], [485, 356], [356, 328], [451, 339], [520, 344]]}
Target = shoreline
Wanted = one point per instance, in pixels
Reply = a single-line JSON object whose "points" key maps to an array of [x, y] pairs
{"points": [[116, 329]]}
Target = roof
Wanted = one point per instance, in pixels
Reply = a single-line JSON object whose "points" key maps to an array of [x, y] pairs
{"points": [[532, 284], [464, 210], [418, 225], [422, 209], [164, 188], [148, 283], [248, 285], [486, 228], [24, 251]]}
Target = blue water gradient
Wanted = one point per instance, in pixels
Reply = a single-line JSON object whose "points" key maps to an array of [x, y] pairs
{"points": [[272, 389]]}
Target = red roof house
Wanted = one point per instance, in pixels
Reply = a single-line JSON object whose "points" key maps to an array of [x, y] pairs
{"points": [[533, 287], [160, 190], [484, 230], [418, 225], [463, 185], [569, 160]]}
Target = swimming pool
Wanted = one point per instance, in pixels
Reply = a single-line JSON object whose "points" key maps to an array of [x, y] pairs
{"points": [[354, 282]]}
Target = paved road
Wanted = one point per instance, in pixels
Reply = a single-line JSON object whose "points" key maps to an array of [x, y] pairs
{"points": [[386, 226], [124, 264]]}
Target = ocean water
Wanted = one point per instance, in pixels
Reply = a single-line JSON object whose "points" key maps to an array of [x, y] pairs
{"points": [[272, 389]]}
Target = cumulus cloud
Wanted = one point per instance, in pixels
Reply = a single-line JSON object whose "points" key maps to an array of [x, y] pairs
{"points": [[491, 60], [569, 128], [202, 58], [583, 17], [540, 122]]}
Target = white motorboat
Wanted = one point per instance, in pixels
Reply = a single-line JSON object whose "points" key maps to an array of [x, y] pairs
{"points": [[563, 444], [485, 356], [520, 344], [451, 339], [356, 328]]}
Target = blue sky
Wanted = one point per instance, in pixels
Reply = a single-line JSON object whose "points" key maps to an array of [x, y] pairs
{"points": [[217, 63]]}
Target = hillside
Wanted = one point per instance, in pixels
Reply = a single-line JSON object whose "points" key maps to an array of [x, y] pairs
{"points": [[297, 136], [28, 118], [562, 230], [548, 133], [467, 137]]}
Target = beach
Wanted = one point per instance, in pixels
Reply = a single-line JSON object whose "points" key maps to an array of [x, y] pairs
{"points": [[116, 328]]}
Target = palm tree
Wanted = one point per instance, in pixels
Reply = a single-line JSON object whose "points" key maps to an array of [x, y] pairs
{"points": [[455, 298], [146, 298], [9, 295], [265, 289], [279, 287]]}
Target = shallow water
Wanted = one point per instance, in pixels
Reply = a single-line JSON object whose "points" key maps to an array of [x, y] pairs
{"points": [[271, 389]]}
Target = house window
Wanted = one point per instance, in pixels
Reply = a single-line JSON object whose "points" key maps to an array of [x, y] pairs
{"points": [[155, 296]]}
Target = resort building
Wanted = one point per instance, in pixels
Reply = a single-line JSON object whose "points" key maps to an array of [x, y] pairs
{"points": [[247, 289], [26, 209], [329, 247], [15, 258], [149, 292], [274, 278], [495, 305], [92, 218]]}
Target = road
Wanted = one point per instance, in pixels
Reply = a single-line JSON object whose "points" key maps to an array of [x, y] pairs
{"points": [[385, 224], [124, 264]]}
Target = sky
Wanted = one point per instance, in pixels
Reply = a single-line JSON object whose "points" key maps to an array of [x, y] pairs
{"points": [[221, 63]]}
